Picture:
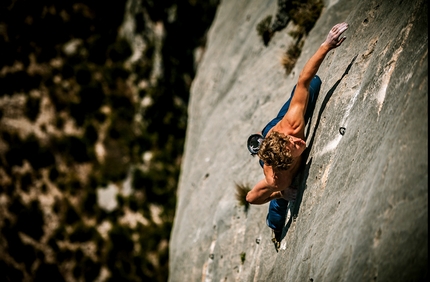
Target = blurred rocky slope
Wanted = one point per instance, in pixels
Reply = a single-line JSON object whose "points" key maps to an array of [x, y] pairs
{"points": [[93, 101], [362, 210]]}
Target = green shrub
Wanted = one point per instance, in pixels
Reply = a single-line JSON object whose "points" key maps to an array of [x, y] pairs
{"points": [[264, 25]]}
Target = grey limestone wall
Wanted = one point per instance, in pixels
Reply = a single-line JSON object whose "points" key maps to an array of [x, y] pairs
{"points": [[362, 213]]}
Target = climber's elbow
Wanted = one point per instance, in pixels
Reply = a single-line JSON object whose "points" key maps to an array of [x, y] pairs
{"points": [[254, 198]]}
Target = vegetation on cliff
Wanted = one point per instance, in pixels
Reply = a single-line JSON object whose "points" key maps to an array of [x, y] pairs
{"points": [[76, 115]]}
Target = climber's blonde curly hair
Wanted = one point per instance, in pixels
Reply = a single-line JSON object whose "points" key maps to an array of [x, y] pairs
{"points": [[274, 151]]}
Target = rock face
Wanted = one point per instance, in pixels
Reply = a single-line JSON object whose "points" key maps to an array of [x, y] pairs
{"points": [[362, 212]]}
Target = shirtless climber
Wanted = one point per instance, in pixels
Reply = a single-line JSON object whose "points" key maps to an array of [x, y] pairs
{"points": [[283, 139]]}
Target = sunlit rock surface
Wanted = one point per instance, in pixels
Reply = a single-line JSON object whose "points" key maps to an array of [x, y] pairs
{"points": [[362, 214]]}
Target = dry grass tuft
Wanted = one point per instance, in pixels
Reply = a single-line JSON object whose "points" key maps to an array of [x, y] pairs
{"points": [[241, 192], [298, 32], [290, 57], [306, 13]]}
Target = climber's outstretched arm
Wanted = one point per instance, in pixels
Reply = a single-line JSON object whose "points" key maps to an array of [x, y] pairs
{"points": [[294, 118]]}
